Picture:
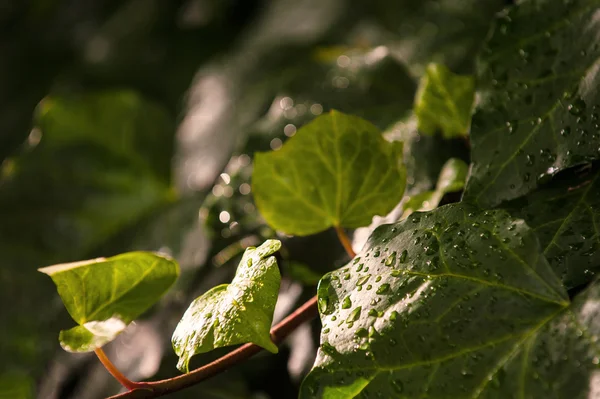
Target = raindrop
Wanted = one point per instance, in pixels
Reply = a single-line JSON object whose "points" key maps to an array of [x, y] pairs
{"points": [[346, 303]]}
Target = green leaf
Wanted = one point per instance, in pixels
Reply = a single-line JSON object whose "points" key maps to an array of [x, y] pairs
{"points": [[565, 216], [444, 102], [104, 295], [14, 385], [539, 108], [444, 304], [336, 171], [452, 178], [235, 313]]}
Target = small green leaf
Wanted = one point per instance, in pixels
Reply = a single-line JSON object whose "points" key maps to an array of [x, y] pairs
{"points": [[444, 102], [451, 303], [538, 112], [336, 171], [565, 215], [104, 295], [235, 313], [452, 178]]}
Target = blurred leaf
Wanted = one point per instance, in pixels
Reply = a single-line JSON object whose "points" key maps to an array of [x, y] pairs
{"points": [[16, 386], [104, 295], [336, 171], [452, 178], [539, 109], [565, 215], [444, 102], [302, 273], [446, 311], [235, 313]]}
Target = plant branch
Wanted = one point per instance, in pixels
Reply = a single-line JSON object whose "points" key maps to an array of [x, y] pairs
{"points": [[345, 241], [304, 313], [112, 369]]}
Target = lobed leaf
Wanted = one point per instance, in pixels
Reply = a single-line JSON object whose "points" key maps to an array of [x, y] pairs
{"points": [[539, 103], [444, 102], [104, 295], [456, 303], [337, 170], [236, 313], [565, 215]]}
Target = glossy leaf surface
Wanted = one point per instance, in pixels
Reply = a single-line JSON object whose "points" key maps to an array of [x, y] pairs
{"points": [[104, 295], [235, 313], [336, 171], [539, 103], [444, 102], [565, 216], [451, 303]]}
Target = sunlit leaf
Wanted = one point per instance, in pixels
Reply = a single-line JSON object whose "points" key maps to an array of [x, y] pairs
{"points": [[235, 313], [104, 295], [444, 102], [452, 303], [539, 99], [336, 171]]}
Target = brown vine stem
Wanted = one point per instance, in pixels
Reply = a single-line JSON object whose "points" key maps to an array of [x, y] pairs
{"points": [[304, 313], [284, 328], [345, 241]]}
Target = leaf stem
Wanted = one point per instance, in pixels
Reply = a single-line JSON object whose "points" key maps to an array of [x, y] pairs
{"points": [[114, 371], [304, 313], [345, 241]]}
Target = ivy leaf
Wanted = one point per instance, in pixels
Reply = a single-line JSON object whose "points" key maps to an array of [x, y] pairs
{"points": [[104, 295], [444, 102], [236, 313], [450, 303], [452, 178], [538, 113], [336, 171], [565, 216]]}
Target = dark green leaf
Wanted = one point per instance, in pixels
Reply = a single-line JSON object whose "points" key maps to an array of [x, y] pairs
{"points": [[444, 102], [452, 179], [336, 171], [539, 108], [444, 304], [565, 216], [104, 295], [16, 386], [235, 313]]}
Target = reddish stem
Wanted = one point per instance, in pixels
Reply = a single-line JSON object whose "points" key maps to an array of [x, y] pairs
{"points": [[345, 241], [112, 369]]}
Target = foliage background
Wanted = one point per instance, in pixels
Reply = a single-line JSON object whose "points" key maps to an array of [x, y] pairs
{"points": [[130, 125]]}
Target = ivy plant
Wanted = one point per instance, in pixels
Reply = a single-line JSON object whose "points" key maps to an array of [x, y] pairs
{"points": [[491, 293]]}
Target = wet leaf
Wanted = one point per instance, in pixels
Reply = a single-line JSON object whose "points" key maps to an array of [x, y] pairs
{"points": [[565, 216], [444, 102], [104, 295], [235, 313], [539, 102], [455, 302], [452, 178], [336, 171]]}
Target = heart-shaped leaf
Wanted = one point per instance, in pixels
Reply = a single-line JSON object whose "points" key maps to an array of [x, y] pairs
{"points": [[236, 313], [454, 303], [337, 170], [444, 102], [104, 295], [539, 103]]}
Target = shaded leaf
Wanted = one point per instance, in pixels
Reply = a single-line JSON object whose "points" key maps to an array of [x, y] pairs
{"points": [[235, 313], [336, 171], [452, 178], [104, 295], [444, 102], [442, 305], [539, 107], [565, 216]]}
